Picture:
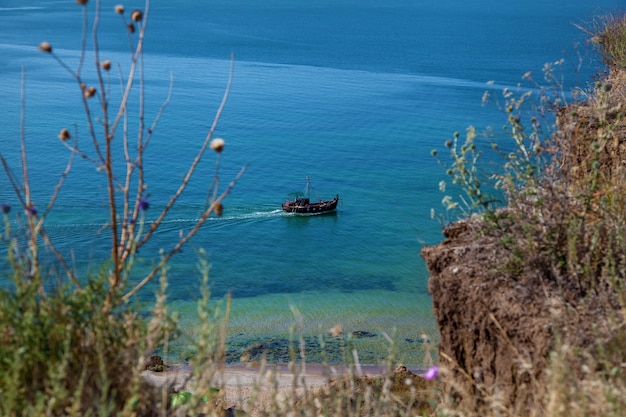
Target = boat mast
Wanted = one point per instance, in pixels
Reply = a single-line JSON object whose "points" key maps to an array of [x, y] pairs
{"points": [[307, 188]]}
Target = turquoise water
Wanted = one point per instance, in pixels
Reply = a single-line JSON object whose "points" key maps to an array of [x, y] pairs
{"points": [[354, 94]]}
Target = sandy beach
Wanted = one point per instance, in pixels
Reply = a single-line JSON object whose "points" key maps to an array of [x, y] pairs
{"points": [[250, 388]]}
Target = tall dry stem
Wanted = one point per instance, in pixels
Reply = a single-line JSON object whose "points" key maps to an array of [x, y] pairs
{"points": [[127, 197]]}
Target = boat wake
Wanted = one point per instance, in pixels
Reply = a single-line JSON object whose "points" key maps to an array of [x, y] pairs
{"points": [[12, 9], [254, 215], [175, 222]]}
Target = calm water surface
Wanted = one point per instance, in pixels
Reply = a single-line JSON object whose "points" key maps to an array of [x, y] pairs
{"points": [[354, 94]]}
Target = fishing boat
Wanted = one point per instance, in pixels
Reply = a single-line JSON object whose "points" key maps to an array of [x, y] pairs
{"points": [[303, 205]]}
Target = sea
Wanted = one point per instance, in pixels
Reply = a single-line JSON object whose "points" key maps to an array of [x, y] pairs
{"points": [[354, 94]]}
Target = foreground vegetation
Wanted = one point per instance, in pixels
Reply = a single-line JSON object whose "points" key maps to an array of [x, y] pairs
{"points": [[77, 345], [549, 335]]}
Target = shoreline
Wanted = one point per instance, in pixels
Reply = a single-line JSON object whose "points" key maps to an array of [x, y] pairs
{"points": [[246, 388], [249, 388], [178, 375]]}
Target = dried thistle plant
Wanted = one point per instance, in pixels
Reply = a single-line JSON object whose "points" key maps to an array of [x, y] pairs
{"points": [[127, 196]]}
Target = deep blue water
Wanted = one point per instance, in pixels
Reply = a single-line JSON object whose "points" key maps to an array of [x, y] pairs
{"points": [[354, 94]]}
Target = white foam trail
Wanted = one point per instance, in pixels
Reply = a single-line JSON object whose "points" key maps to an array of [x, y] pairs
{"points": [[11, 9]]}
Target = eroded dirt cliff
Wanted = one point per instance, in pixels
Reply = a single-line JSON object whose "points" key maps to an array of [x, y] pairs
{"points": [[495, 331], [508, 292]]}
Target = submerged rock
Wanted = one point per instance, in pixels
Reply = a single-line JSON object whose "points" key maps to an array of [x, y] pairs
{"points": [[317, 349], [155, 364], [360, 334]]}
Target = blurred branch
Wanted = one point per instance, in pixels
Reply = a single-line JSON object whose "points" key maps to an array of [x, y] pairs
{"points": [[205, 215], [194, 164]]}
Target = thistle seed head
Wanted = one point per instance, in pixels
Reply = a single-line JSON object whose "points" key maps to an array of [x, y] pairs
{"points": [[5, 208], [136, 15], [81, 2], [45, 47], [131, 28], [217, 145], [90, 92], [119, 9], [106, 65], [64, 134], [219, 209]]}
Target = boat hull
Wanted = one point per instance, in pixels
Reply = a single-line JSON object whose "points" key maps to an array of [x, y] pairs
{"points": [[301, 207]]}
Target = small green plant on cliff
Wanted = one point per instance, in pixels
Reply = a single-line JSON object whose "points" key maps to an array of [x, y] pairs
{"points": [[465, 172], [76, 345], [482, 190], [517, 155]]}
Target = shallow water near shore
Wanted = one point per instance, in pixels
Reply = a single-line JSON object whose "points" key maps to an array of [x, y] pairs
{"points": [[353, 94]]}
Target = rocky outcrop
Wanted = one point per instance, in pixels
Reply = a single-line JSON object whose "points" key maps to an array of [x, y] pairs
{"points": [[155, 364]]}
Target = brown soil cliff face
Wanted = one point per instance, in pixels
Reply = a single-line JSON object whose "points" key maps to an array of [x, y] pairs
{"points": [[495, 332], [506, 294], [499, 320]]}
